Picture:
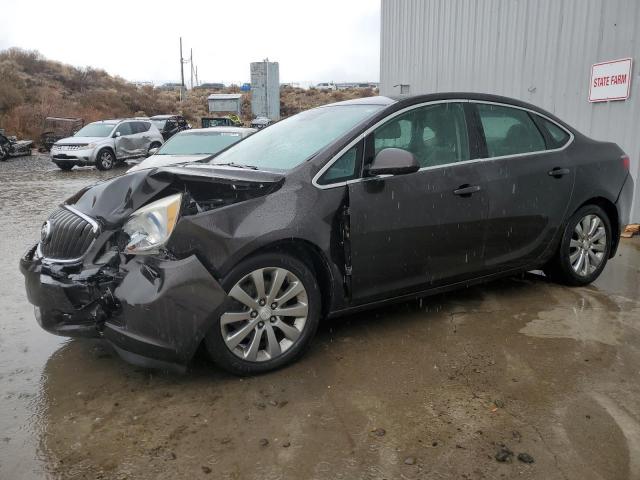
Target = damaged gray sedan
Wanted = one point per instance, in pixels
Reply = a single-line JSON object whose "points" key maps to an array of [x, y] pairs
{"points": [[333, 210]]}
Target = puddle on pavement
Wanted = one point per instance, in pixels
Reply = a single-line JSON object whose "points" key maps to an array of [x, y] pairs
{"points": [[587, 317], [31, 188]]}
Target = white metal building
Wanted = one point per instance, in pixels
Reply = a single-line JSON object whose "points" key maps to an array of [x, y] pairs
{"points": [[539, 51], [225, 102]]}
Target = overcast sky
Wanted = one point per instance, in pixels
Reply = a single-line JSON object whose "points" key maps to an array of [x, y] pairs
{"points": [[313, 41]]}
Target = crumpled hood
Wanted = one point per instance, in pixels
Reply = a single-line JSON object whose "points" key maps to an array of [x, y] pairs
{"points": [[155, 161], [206, 186], [79, 140]]}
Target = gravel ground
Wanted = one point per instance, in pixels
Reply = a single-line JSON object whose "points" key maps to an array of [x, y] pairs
{"points": [[518, 378]]}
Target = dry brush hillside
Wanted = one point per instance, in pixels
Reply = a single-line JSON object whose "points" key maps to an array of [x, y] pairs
{"points": [[33, 87]]}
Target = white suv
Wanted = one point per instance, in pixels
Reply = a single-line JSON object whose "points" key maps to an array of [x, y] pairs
{"points": [[107, 143]]}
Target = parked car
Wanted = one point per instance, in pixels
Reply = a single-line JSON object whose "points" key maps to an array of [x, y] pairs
{"points": [[326, 86], [228, 121], [57, 128], [333, 210], [193, 145], [10, 146], [169, 125], [107, 143], [261, 122]]}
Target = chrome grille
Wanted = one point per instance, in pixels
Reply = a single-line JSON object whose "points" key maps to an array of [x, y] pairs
{"points": [[69, 147], [70, 236]]}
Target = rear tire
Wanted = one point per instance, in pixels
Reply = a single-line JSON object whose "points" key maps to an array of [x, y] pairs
{"points": [[275, 330], [105, 160], [584, 248]]}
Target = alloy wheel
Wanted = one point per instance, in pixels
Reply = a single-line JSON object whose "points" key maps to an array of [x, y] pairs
{"points": [[268, 315], [106, 160], [588, 245]]}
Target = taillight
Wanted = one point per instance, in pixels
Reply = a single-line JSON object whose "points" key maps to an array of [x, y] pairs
{"points": [[626, 162]]}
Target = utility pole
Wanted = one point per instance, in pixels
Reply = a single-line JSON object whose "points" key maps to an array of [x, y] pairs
{"points": [[181, 71], [191, 65], [197, 82]]}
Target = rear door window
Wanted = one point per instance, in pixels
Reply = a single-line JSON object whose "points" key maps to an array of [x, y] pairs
{"points": [[509, 131], [141, 127]]}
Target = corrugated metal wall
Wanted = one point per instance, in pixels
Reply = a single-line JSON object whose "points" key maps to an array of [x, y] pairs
{"points": [[540, 51], [265, 90]]}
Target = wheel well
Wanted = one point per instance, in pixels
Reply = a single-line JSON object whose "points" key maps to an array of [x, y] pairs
{"points": [[612, 212], [105, 148], [313, 257]]}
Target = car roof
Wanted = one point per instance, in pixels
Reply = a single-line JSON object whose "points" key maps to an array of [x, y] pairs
{"points": [[219, 130], [163, 117], [114, 121], [402, 101], [377, 100], [405, 101], [111, 121]]}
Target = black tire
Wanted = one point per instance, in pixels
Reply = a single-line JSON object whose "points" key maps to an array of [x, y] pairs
{"points": [[219, 351], [65, 166], [560, 267], [102, 163]]}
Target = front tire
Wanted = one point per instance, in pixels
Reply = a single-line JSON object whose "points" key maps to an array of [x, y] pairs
{"points": [[105, 160], [269, 318], [584, 249]]}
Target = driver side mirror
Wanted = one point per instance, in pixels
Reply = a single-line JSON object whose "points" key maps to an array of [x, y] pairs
{"points": [[393, 161], [152, 151], [116, 135]]}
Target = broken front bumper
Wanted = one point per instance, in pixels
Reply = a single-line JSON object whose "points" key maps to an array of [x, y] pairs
{"points": [[154, 312]]}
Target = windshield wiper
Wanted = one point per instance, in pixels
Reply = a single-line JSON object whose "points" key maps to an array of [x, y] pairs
{"points": [[237, 165]]}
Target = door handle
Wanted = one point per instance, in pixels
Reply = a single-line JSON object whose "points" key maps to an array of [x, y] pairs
{"points": [[558, 172], [466, 190]]}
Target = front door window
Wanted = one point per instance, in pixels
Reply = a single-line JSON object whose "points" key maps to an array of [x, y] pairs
{"points": [[435, 134]]}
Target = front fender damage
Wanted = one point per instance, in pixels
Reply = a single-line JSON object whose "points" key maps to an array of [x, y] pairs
{"points": [[154, 311], [165, 308]]}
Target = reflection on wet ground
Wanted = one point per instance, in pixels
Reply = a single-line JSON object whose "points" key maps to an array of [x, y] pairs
{"points": [[426, 389], [30, 188]]}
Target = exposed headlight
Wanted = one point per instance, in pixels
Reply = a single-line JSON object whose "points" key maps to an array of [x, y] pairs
{"points": [[90, 145], [150, 227]]}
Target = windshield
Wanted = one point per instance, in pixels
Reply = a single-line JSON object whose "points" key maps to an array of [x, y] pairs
{"points": [[198, 143], [97, 129], [159, 124], [290, 142]]}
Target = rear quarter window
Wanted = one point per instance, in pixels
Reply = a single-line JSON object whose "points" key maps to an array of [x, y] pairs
{"points": [[558, 136]]}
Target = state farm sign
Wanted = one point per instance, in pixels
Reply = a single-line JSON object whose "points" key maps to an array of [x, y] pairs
{"points": [[610, 80]]}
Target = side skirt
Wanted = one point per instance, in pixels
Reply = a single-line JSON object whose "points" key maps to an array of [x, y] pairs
{"points": [[429, 292]]}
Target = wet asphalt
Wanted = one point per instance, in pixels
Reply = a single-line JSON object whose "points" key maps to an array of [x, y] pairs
{"points": [[427, 389]]}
